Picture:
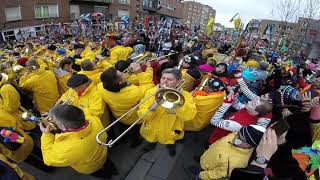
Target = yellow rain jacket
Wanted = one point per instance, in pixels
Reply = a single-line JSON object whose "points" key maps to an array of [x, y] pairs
{"points": [[207, 105], [15, 167], [78, 149], [62, 79], [87, 54], [45, 65], [10, 102], [19, 155], [44, 86], [104, 64], [118, 53], [90, 101], [133, 79], [121, 102], [222, 157], [163, 125], [93, 75], [98, 51]]}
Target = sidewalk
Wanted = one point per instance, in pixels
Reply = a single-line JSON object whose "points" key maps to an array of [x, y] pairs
{"points": [[134, 164]]}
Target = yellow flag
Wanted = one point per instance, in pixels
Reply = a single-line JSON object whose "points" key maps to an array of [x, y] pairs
{"points": [[210, 26], [237, 23]]}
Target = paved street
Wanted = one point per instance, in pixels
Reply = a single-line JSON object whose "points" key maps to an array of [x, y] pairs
{"points": [[134, 164]]}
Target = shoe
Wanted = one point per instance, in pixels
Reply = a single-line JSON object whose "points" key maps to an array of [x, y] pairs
{"points": [[149, 147]]}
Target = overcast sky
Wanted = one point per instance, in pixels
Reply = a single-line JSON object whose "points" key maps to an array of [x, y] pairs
{"points": [[248, 9]]}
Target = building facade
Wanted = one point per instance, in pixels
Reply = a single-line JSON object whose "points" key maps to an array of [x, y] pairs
{"points": [[20, 18], [195, 13], [79, 7]]}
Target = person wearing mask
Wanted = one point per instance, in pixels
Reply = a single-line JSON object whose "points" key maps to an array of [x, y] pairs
{"points": [[264, 151], [230, 152], [165, 126], [42, 83], [89, 69], [121, 96], [75, 146], [207, 102]]}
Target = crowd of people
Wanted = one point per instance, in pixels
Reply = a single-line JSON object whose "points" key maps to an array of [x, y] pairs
{"points": [[262, 106]]}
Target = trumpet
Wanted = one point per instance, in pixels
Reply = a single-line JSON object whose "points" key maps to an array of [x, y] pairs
{"points": [[169, 98], [46, 121]]}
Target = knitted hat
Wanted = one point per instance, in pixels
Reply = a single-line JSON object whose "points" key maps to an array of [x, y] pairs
{"points": [[252, 63], [252, 134], [216, 84], [22, 61], [139, 48], [77, 80], [61, 51], [289, 92], [250, 74]]}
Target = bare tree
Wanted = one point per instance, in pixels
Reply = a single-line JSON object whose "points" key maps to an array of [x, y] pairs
{"points": [[287, 11], [309, 13]]}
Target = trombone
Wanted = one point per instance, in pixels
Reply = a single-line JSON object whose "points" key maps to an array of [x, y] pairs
{"points": [[169, 98], [141, 57]]}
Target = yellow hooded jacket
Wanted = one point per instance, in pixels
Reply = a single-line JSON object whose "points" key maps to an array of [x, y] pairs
{"points": [[222, 157], [15, 167], [62, 79], [87, 54], [78, 149], [206, 105], [93, 75], [104, 64], [19, 155], [121, 102], [43, 84], [90, 101], [10, 102], [118, 53], [163, 125]]}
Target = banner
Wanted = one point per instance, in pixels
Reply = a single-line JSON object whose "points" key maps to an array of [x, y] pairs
{"points": [[210, 26]]}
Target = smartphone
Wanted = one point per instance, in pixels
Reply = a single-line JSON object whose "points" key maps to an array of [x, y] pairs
{"points": [[281, 127]]}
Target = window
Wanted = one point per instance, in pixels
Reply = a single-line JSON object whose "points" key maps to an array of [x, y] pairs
{"points": [[13, 13], [74, 12], [46, 11], [122, 12], [124, 1], [101, 9], [9, 35]]}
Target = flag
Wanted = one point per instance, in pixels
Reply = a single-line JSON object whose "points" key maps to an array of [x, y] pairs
{"points": [[237, 23], [210, 26]]}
